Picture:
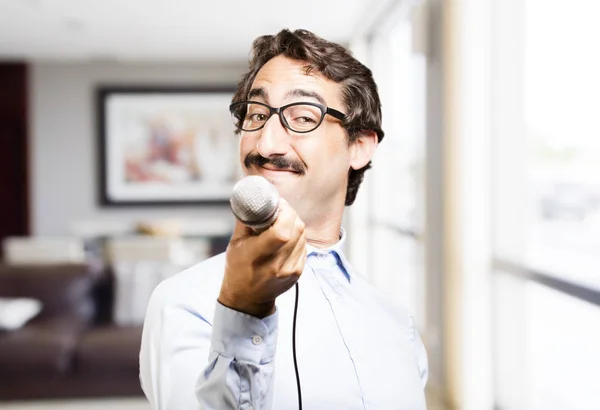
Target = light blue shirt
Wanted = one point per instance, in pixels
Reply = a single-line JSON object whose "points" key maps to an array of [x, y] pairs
{"points": [[356, 348]]}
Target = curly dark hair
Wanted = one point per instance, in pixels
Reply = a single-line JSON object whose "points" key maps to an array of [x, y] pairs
{"points": [[359, 91]]}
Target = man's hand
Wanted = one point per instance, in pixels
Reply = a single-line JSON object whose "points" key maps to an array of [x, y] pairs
{"points": [[261, 267]]}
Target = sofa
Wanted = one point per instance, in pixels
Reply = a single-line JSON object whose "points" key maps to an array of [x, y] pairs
{"points": [[71, 348]]}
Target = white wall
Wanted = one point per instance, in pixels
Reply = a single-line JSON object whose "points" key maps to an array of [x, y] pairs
{"points": [[63, 144]]}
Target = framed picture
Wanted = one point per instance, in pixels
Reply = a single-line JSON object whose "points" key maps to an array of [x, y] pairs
{"points": [[166, 146]]}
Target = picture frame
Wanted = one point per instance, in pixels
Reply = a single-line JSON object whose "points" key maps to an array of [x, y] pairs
{"points": [[166, 145]]}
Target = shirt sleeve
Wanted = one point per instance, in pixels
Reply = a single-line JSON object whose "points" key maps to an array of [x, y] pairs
{"points": [[188, 362], [240, 370]]}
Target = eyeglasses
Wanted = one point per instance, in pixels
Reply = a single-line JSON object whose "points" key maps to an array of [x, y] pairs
{"points": [[300, 117]]}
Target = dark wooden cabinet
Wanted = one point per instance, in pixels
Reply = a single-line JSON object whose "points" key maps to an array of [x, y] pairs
{"points": [[14, 150]]}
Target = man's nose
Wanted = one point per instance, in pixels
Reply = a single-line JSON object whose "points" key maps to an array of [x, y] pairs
{"points": [[274, 138]]}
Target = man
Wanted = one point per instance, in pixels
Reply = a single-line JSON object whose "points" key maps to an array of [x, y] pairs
{"points": [[219, 335]]}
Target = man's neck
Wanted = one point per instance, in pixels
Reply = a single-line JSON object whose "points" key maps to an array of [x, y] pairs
{"points": [[324, 232]]}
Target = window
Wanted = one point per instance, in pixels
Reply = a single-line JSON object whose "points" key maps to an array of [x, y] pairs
{"points": [[397, 180], [546, 207], [562, 122]]}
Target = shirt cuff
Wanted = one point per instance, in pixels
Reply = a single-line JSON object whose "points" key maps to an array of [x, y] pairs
{"points": [[244, 337]]}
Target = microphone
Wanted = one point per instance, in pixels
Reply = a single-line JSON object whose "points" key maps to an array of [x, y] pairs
{"points": [[255, 202]]}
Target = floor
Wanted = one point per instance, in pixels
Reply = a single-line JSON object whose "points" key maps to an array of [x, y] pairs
{"points": [[111, 404], [104, 404]]}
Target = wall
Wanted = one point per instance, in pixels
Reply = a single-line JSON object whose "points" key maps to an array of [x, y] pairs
{"points": [[63, 143]]}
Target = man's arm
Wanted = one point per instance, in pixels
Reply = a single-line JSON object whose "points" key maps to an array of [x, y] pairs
{"points": [[226, 363], [185, 363], [241, 359]]}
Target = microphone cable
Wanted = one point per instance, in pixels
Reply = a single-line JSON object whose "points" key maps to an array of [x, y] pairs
{"points": [[294, 350]]}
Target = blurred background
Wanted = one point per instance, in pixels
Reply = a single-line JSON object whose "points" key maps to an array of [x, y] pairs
{"points": [[481, 214]]}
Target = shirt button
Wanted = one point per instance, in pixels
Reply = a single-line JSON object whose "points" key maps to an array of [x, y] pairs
{"points": [[257, 340], [321, 256]]}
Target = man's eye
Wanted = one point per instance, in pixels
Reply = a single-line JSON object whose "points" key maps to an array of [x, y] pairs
{"points": [[305, 120], [257, 117]]}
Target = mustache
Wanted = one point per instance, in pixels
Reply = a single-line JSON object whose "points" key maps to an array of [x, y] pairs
{"points": [[280, 163]]}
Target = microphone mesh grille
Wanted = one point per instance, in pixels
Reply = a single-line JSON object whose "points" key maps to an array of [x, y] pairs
{"points": [[254, 200]]}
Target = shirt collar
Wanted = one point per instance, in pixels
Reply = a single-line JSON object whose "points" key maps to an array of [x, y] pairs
{"points": [[338, 250]]}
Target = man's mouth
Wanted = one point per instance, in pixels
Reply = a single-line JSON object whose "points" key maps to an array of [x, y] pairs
{"points": [[272, 168], [275, 169]]}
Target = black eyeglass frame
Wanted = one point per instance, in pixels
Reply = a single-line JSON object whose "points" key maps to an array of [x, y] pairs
{"points": [[324, 110]]}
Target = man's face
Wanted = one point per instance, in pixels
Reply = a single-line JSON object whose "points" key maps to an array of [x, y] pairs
{"points": [[309, 170]]}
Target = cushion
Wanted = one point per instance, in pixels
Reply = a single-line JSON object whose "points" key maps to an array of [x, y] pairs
{"points": [[41, 348], [63, 290], [134, 283], [15, 312]]}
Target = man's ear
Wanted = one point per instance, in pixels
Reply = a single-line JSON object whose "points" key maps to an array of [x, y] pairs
{"points": [[362, 149]]}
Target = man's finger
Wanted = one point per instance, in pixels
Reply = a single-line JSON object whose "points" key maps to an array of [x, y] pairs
{"points": [[282, 232], [293, 260], [240, 231]]}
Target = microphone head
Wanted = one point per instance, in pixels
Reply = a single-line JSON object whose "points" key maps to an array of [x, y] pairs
{"points": [[255, 201]]}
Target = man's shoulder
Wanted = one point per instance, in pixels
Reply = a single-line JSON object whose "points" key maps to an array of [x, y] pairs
{"points": [[195, 288]]}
